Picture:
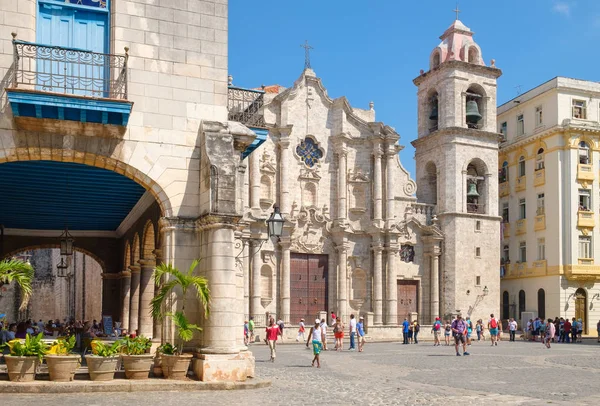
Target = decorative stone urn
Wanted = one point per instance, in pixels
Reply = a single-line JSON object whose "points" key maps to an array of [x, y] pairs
{"points": [[102, 368], [176, 366], [62, 368], [138, 366], [21, 369]]}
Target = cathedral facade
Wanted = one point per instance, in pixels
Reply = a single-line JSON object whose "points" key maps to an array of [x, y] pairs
{"points": [[361, 237]]}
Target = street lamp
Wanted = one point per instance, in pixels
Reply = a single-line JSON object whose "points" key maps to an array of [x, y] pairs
{"points": [[66, 243], [275, 223], [485, 291], [61, 269]]}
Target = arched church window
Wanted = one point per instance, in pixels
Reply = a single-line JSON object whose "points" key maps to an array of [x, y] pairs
{"points": [[522, 306], [433, 111], [584, 153], [428, 191], [436, 60], [310, 195], [309, 152], [407, 253], [539, 159], [505, 305], [542, 303]]}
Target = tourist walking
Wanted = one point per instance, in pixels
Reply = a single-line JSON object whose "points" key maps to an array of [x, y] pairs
{"points": [[478, 327], [405, 329], [352, 332], [360, 331], [447, 332], [493, 327], [469, 330], [251, 329], [338, 333], [459, 330], [324, 334], [512, 328], [246, 332], [300, 330], [579, 330], [316, 333], [436, 329], [567, 328], [333, 318], [272, 331], [416, 327], [281, 326], [550, 332]]}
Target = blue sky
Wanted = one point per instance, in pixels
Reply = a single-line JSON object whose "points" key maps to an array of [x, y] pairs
{"points": [[373, 49]]}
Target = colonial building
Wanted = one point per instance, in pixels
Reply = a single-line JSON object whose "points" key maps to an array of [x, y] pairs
{"points": [[357, 239], [549, 195]]}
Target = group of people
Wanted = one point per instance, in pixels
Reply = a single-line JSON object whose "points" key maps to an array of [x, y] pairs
{"points": [[565, 330]]}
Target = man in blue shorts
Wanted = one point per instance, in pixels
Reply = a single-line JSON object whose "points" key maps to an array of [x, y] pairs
{"points": [[459, 330]]}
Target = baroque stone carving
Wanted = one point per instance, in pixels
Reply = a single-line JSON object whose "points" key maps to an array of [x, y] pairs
{"points": [[313, 224]]}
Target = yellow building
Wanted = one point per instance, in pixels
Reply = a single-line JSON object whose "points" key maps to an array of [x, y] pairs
{"points": [[549, 167]]}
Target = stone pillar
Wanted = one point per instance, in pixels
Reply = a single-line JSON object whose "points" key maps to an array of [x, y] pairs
{"points": [[285, 161], [145, 325], [342, 192], [254, 181], [125, 298], [390, 155], [392, 289], [435, 283], [342, 250], [157, 332], [134, 307], [377, 284], [247, 277], [256, 294], [285, 279], [377, 183]]}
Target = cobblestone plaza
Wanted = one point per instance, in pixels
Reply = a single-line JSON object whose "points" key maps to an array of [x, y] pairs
{"points": [[392, 373]]}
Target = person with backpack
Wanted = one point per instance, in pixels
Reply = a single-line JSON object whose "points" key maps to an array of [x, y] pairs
{"points": [[416, 327], [447, 332], [459, 330], [493, 327], [436, 329]]}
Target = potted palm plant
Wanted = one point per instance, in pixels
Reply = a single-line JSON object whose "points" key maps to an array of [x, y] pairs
{"points": [[24, 357], [20, 272], [136, 357], [62, 363], [102, 362], [175, 363]]}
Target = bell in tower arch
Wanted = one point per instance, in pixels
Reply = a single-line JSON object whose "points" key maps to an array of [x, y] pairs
{"points": [[473, 116], [434, 110], [472, 191]]}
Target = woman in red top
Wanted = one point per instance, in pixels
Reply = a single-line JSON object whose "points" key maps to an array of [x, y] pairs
{"points": [[272, 331]]}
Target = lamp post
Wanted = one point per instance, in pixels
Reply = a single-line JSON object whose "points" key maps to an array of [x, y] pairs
{"points": [[275, 223], [66, 242]]}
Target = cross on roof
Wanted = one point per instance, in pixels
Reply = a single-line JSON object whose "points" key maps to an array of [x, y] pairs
{"points": [[456, 10], [307, 49]]}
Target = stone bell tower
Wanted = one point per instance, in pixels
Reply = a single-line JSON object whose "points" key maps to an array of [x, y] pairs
{"points": [[457, 161]]}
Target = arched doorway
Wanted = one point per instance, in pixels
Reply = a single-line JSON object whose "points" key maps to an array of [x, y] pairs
{"points": [[522, 306], [505, 306], [541, 299], [581, 307]]}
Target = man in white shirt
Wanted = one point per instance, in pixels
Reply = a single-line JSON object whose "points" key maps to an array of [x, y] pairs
{"points": [[352, 332], [512, 328]]}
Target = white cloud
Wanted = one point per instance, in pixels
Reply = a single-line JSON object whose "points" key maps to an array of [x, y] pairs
{"points": [[562, 8]]}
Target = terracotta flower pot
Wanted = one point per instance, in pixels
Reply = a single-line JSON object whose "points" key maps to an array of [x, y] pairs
{"points": [[21, 369], [102, 368], [62, 368], [176, 366], [138, 366]]}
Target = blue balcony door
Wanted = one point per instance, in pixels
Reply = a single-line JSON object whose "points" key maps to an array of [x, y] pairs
{"points": [[74, 70]]}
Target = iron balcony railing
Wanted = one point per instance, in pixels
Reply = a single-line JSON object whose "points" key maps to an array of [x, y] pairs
{"points": [[245, 106], [69, 71]]}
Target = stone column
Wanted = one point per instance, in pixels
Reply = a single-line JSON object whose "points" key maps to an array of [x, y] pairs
{"points": [[285, 161], [392, 289], [145, 325], [134, 307], [342, 250], [390, 155], [247, 281], [435, 285], [377, 183], [342, 192], [254, 181], [377, 284], [125, 298], [256, 294], [157, 333], [285, 279]]}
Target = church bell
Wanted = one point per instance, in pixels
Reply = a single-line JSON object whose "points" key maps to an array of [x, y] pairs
{"points": [[434, 111], [472, 192], [473, 116]]}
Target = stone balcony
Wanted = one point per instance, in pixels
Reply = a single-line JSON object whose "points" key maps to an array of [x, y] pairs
{"points": [[585, 219], [521, 184], [519, 269], [68, 90], [246, 106], [585, 172], [540, 219], [504, 189], [521, 227], [585, 271], [539, 177], [540, 267]]}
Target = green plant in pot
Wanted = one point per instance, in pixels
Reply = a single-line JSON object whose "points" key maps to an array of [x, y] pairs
{"points": [[175, 363], [136, 356], [24, 358], [104, 360], [62, 363]]}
